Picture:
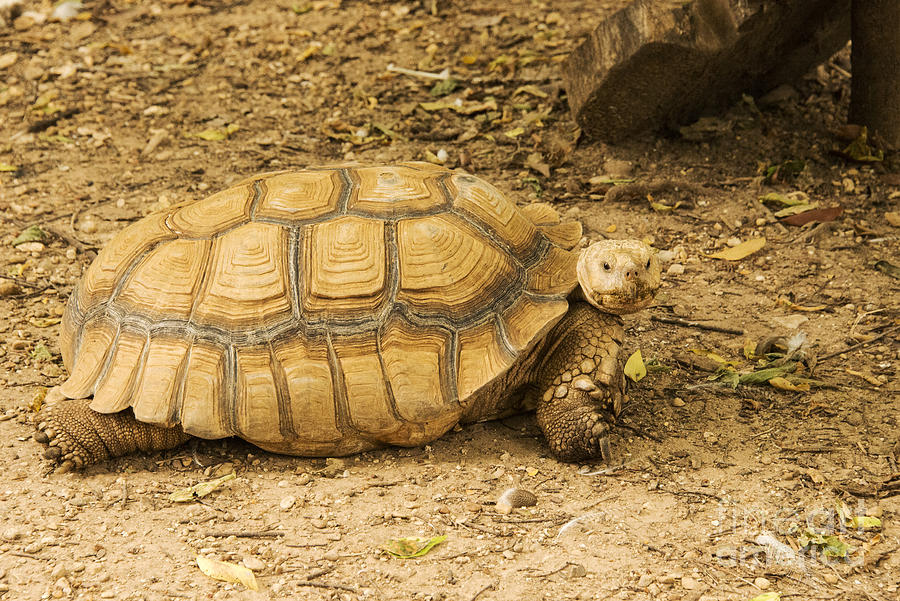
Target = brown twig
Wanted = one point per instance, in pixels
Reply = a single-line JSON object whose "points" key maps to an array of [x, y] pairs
{"points": [[244, 534], [341, 587], [676, 321], [488, 586], [858, 345], [22, 282], [68, 238], [51, 121]]}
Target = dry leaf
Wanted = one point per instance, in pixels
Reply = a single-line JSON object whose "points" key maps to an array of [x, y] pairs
{"points": [[634, 367], [201, 489], [411, 546], [229, 572], [820, 215], [785, 384], [744, 249]]}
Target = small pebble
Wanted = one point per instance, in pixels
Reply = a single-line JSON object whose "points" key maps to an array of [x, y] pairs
{"points": [[762, 583], [254, 563], [830, 578], [318, 523], [675, 269], [678, 402], [88, 226], [645, 581], [514, 498], [508, 554], [8, 288], [30, 247], [577, 571], [71, 254], [287, 502], [688, 583], [331, 555]]}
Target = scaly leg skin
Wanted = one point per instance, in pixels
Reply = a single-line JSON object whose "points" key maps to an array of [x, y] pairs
{"points": [[77, 436], [583, 383]]}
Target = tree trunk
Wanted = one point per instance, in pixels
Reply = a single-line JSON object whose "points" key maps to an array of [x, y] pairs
{"points": [[875, 88]]}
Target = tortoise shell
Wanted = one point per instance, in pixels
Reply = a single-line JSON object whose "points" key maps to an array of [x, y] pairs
{"points": [[321, 311]]}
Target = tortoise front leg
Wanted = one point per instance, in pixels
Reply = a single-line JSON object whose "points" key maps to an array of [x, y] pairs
{"points": [[583, 383], [76, 435]]}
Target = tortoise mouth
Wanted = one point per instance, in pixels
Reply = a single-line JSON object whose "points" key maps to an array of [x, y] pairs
{"points": [[621, 304]]}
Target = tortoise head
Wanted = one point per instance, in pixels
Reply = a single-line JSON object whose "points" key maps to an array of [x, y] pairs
{"points": [[619, 276]]}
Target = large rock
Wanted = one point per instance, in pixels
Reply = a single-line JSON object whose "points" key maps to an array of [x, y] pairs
{"points": [[660, 63]]}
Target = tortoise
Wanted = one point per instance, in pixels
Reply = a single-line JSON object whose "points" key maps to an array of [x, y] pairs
{"points": [[329, 311]]}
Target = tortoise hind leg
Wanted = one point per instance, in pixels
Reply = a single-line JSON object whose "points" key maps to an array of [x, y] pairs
{"points": [[582, 383], [77, 436]]}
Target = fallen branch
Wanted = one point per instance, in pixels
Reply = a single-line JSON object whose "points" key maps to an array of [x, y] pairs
{"points": [[677, 321], [244, 534], [858, 345]]}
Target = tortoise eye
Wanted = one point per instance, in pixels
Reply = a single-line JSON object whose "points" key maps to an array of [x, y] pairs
{"points": [[606, 266], [648, 263]]}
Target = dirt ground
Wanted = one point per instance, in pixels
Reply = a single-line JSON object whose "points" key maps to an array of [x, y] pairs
{"points": [[132, 106]]}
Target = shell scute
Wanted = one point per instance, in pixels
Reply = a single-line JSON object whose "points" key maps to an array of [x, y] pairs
{"points": [[482, 358], [298, 196], [481, 201], [95, 339], [394, 190], [344, 267], [247, 279], [206, 400], [117, 256], [448, 268], [214, 214], [308, 379], [368, 400], [257, 415], [114, 390], [156, 396], [414, 362], [529, 319], [164, 283]]}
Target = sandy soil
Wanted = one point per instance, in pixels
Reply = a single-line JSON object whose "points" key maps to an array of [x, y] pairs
{"points": [[702, 470]]}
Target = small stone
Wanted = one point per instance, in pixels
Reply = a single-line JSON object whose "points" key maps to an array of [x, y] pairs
{"points": [[8, 59], [509, 554], [12, 533], [88, 226], [678, 402], [665, 256], [830, 578], [287, 502], [473, 507], [688, 583], [8, 288], [71, 254], [618, 169], [762, 583], [30, 247], [283, 484], [675, 269], [254, 563], [733, 241], [303, 479], [223, 469], [334, 466], [577, 571], [318, 523], [645, 581], [331, 555]]}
